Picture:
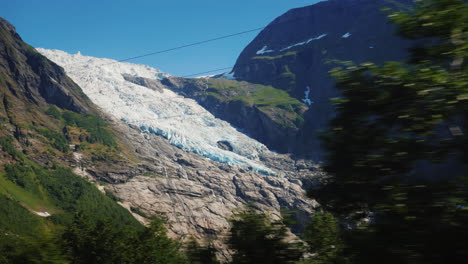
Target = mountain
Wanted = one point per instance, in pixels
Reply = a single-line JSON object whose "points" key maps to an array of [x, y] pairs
{"points": [[190, 167], [296, 51], [43, 114], [98, 144], [280, 89], [128, 141], [30, 77]]}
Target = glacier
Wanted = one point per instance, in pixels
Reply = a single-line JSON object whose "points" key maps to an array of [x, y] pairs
{"points": [[182, 121]]}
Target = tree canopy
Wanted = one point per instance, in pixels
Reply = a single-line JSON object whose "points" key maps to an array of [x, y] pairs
{"points": [[398, 144], [257, 239]]}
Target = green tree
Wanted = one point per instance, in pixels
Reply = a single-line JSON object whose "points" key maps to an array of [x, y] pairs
{"points": [[198, 254], [153, 246], [88, 241], [323, 237], [18, 249], [398, 145], [256, 239], [101, 242]]}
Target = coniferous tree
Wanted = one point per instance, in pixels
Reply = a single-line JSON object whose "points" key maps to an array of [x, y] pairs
{"points": [[398, 145], [198, 254], [256, 239], [323, 237]]}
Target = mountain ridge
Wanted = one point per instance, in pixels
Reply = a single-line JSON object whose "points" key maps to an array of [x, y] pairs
{"points": [[296, 56], [41, 80]]}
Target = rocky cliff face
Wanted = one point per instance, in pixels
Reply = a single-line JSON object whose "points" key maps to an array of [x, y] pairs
{"points": [[29, 85], [296, 51], [31, 77], [196, 196]]}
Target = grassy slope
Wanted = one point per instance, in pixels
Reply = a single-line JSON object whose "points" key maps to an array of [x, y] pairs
{"points": [[289, 53], [34, 144], [27, 186], [276, 103]]}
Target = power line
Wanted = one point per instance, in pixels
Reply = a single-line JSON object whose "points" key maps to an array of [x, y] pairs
{"points": [[199, 43], [191, 44], [208, 40], [178, 47], [205, 72]]}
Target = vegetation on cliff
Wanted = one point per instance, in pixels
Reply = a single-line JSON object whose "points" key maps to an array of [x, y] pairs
{"points": [[276, 103]]}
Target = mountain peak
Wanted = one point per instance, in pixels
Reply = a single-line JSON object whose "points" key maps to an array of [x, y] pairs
{"points": [[39, 80], [7, 25]]}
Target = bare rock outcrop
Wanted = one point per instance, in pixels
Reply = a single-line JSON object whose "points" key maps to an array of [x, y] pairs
{"points": [[195, 195]]}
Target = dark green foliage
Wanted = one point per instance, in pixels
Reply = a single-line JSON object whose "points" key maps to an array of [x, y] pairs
{"points": [[67, 191], [112, 196], [323, 237], [23, 236], [443, 20], [101, 231], [256, 239], [57, 140], [286, 54], [138, 211], [7, 145], [15, 219], [199, 254], [153, 246], [287, 79], [54, 112], [24, 176], [299, 121], [392, 116], [103, 154], [397, 147], [75, 194], [14, 249], [95, 126], [87, 241], [418, 224]]}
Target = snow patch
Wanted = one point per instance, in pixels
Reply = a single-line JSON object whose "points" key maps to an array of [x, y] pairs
{"points": [[182, 121], [306, 96], [347, 35], [304, 42], [43, 214], [316, 38], [263, 50]]}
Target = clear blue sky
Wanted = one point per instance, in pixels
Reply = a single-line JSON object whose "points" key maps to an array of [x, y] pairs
{"points": [[120, 29]]}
